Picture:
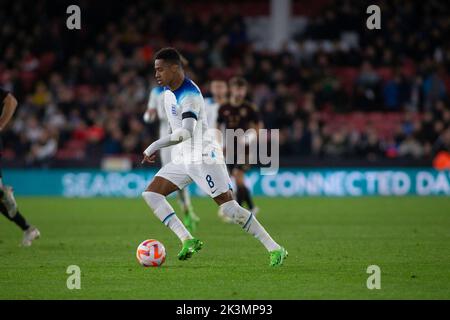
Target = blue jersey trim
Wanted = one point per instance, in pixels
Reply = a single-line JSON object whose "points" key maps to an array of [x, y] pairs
{"points": [[187, 88], [168, 217], [158, 90], [250, 218]]}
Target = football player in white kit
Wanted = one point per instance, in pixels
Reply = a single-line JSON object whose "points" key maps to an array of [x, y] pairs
{"points": [[155, 109], [219, 91], [200, 160]]}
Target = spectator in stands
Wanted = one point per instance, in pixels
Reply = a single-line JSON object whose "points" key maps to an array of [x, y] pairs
{"points": [[443, 142], [43, 150], [433, 89], [370, 145], [336, 146], [367, 88], [410, 147]]}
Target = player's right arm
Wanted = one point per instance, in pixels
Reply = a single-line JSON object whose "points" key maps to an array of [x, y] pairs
{"points": [[177, 136], [9, 107], [190, 107]]}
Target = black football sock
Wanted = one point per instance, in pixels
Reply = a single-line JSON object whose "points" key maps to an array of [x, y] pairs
{"points": [[18, 219], [248, 198]]}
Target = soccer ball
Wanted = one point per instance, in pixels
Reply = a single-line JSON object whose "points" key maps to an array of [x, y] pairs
{"points": [[151, 253]]}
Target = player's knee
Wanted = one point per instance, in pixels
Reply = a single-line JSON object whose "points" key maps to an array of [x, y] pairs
{"points": [[153, 199], [235, 212], [158, 203]]}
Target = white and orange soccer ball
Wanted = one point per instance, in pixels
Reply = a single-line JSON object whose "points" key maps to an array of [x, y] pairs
{"points": [[151, 253]]}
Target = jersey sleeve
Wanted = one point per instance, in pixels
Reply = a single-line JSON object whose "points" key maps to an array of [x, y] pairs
{"points": [[191, 104]]}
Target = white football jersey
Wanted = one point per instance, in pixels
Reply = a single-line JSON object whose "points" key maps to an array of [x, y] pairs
{"points": [[187, 101], [199, 159], [212, 111]]}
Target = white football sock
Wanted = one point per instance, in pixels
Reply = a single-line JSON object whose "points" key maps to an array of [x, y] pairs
{"points": [[258, 231], [164, 211], [250, 224]]}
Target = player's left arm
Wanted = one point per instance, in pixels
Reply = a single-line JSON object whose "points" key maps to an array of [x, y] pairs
{"points": [[9, 107], [190, 107]]}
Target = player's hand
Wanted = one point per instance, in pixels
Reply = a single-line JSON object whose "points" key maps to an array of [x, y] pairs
{"points": [[149, 159], [149, 115]]}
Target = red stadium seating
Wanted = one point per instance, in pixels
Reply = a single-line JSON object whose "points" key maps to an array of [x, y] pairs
{"points": [[385, 124]]}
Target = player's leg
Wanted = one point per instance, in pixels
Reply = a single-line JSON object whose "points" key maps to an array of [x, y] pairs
{"points": [[239, 180], [155, 197], [214, 180], [250, 224], [190, 218], [169, 179], [243, 194], [8, 207], [222, 216]]}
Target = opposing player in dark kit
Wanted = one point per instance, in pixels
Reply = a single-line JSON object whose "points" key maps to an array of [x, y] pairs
{"points": [[8, 205]]}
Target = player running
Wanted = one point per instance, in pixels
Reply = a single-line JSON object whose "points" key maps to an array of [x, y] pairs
{"points": [[8, 205], [200, 160], [155, 109], [239, 113]]}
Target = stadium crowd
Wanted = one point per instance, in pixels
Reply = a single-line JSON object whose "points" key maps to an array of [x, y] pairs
{"points": [[83, 93]]}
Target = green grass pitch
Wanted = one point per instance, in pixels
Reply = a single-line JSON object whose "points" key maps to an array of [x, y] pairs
{"points": [[331, 242]]}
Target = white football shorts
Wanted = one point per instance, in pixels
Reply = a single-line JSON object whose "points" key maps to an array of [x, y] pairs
{"points": [[211, 176]]}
